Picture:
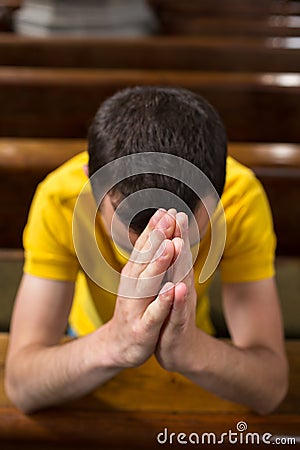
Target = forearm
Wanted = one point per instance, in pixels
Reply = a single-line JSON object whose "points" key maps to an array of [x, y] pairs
{"points": [[39, 376], [255, 377]]}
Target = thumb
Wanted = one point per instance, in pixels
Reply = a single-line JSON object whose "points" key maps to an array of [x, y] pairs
{"points": [[179, 311], [158, 310]]}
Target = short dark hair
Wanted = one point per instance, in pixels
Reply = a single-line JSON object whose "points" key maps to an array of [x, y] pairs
{"points": [[158, 119]]}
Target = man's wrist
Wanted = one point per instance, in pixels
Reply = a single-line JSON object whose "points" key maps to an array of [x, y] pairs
{"points": [[195, 359], [102, 351]]}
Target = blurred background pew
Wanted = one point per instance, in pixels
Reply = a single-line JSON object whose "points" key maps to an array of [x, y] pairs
{"points": [[221, 53], [48, 102], [228, 17]]}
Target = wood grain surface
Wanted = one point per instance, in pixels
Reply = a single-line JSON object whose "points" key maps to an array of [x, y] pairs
{"points": [[130, 410]]}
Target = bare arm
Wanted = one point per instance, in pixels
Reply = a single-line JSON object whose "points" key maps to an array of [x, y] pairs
{"points": [[253, 370], [41, 373]]}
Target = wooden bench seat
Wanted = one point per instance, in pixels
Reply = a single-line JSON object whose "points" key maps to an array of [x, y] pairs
{"points": [[42, 102], [130, 410], [25, 162], [224, 53]]}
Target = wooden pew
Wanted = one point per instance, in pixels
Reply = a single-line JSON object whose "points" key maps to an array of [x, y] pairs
{"points": [[276, 25], [44, 102], [152, 53], [134, 407], [226, 8], [11, 269], [25, 162], [278, 168], [228, 17]]}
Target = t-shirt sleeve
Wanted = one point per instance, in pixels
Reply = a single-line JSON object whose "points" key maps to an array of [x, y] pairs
{"points": [[47, 238], [250, 245]]}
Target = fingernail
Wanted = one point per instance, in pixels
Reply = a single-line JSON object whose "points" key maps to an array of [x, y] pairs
{"points": [[158, 213], [167, 287], [182, 221], [172, 211], [156, 216]]}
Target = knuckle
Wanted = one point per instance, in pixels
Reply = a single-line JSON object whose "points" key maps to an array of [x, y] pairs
{"points": [[150, 320], [136, 333]]}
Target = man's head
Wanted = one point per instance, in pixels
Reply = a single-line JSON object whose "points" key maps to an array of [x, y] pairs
{"points": [[164, 120]]}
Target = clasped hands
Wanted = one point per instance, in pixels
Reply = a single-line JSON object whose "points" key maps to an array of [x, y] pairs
{"points": [[155, 315]]}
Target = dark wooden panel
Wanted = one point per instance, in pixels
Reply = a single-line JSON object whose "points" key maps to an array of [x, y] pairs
{"points": [[61, 102], [23, 164], [228, 17], [279, 25], [205, 53], [278, 168], [227, 8], [283, 190]]}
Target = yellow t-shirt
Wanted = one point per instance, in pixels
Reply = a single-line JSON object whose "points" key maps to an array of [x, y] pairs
{"points": [[50, 251]]}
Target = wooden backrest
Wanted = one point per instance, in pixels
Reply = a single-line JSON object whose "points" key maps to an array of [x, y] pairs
{"points": [[275, 25], [228, 17], [226, 8], [278, 168], [272, 54], [61, 102], [24, 163]]}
